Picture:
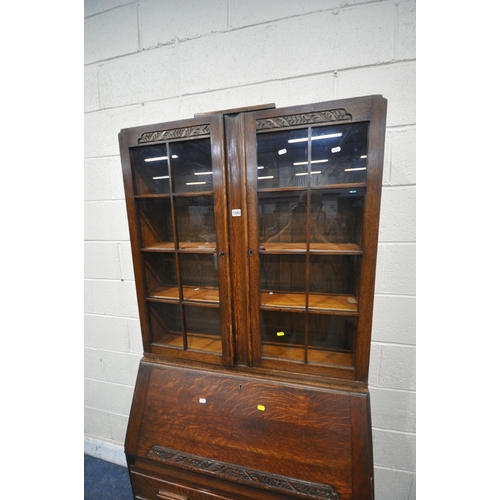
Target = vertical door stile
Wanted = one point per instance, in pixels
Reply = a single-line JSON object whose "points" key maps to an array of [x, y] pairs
{"points": [[253, 242], [308, 244], [238, 233], [219, 161], [134, 231], [376, 138]]}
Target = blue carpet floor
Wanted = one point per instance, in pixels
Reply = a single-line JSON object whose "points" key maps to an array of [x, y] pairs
{"points": [[106, 481]]}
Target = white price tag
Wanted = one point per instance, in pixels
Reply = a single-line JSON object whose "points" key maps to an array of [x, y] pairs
{"points": [[236, 212]]}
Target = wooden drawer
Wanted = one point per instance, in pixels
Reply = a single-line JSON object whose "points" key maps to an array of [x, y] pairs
{"points": [[149, 488]]}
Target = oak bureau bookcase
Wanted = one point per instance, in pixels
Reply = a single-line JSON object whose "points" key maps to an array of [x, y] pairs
{"points": [[254, 237]]}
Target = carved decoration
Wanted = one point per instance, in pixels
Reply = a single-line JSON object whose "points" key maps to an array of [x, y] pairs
{"points": [[175, 133], [333, 115], [298, 487]]}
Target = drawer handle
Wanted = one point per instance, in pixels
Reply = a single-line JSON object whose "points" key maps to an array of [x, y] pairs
{"points": [[166, 495]]}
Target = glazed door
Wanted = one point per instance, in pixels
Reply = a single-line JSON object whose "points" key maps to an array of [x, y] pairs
{"points": [[311, 271], [254, 235], [175, 178]]}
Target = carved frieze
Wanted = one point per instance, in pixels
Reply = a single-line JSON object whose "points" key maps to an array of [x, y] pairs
{"points": [[244, 475], [333, 115], [176, 133]]}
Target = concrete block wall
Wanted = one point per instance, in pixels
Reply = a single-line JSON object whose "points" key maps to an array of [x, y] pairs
{"points": [[148, 61]]}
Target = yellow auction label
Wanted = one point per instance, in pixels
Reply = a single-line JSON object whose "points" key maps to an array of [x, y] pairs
{"points": [[280, 334], [261, 407]]}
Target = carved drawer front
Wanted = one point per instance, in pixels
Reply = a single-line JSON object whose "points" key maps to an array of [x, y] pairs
{"points": [[149, 488]]}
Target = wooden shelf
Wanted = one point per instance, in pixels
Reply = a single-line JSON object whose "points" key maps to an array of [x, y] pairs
{"points": [[345, 185], [192, 194], [151, 195], [187, 246], [195, 341], [209, 295], [317, 302], [314, 355], [178, 194], [328, 248], [162, 246]]}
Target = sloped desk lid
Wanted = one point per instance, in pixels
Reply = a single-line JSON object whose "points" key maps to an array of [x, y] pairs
{"points": [[284, 438]]}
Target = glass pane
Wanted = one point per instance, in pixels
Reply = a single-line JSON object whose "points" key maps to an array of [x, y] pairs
{"points": [[166, 325], [330, 335], [335, 274], [338, 154], [195, 220], [333, 282], [283, 280], [330, 339], [282, 217], [161, 275], [199, 277], [203, 328], [282, 159], [191, 166], [341, 215], [283, 335], [155, 218], [150, 169], [335, 217]]}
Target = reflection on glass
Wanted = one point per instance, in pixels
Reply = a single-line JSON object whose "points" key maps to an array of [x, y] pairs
{"points": [[334, 154], [199, 269], [342, 151], [150, 169], [155, 216], [331, 287], [191, 166], [330, 339], [310, 241], [199, 277], [280, 162], [275, 213], [195, 219], [203, 328], [161, 275], [166, 325], [328, 332], [342, 215], [284, 273], [333, 274], [282, 280], [335, 216]]}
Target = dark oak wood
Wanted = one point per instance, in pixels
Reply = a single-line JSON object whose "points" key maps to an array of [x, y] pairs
{"points": [[243, 109], [362, 452], [224, 268], [375, 160], [253, 239], [238, 234], [251, 431], [255, 295]]}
